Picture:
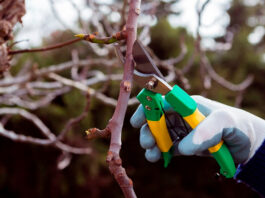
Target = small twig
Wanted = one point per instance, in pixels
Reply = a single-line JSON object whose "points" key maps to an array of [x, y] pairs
{"points": [[55, 68], [31, 104], [74, 70], [97, 133], [189, 64], [72, 83], [199, 12], [182, 54], [55, 13], [239, 99], [23, 138], [233, 87], [80, 21], [59, 45], [31, 117], [16, 42], [123, 13], [85, 88], [51, 138], [76, 120], [93, 38]]}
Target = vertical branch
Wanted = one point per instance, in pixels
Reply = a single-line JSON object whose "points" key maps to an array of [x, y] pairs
{"points": [[116, 123]]}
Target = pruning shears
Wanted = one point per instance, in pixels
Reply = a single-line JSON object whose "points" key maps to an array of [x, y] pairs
{"points": [[148, 76]]}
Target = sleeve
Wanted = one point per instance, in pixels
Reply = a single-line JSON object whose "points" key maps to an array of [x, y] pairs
{"points": [[253, 172]]}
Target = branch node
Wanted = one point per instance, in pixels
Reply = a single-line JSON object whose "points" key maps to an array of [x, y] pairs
{"points": [[127, 85], [118, 161], [109, 157], [138, 11]]}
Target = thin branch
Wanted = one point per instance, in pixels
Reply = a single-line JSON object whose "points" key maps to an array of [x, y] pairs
{"points": [[55, 68], [55, 13], [31, 117], [199, 12], [74, 70], [31, 104], [76, 120], [80, 21], [239, 99], [51, 141], [190, 62], [71, 149], [233, 87], [182, 54], [72, 83], [123, 13], [22, 138], [52, 47], [207, 71], [85, 88], [93, 38]]}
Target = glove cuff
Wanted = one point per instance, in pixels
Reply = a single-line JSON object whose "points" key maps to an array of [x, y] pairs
{"points": [[253, 172]]}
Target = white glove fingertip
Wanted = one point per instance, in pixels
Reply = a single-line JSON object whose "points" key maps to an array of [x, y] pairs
{"points": [[153, 154], [147, 140], [138, 118]]}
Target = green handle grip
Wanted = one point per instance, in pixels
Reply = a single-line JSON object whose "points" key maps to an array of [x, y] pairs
{"points": [[153, 109], [225, 161], [187, 108]]}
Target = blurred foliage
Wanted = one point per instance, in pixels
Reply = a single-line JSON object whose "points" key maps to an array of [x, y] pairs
{"points": [[30, 171]]}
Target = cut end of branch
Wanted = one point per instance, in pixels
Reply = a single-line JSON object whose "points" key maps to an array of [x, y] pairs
{"points": [[96, 133]]}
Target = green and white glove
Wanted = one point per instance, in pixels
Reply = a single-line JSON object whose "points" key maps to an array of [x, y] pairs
{"points": [[242, 132]]}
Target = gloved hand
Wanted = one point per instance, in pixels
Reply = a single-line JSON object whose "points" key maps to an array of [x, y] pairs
{"points": [[242, 132]]}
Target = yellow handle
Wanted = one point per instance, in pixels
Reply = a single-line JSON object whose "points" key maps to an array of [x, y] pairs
{"points": [[160, 133], [196, 118]]}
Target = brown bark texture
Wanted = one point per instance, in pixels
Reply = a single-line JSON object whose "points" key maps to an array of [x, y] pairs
{"points": [[11, 12]]}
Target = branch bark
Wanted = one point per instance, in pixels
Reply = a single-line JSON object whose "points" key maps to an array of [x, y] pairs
{"points": [[116, 123], [56, 46]]}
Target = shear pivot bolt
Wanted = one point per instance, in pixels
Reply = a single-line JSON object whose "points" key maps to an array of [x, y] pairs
{"points": [[147, 107], [151, 84]]}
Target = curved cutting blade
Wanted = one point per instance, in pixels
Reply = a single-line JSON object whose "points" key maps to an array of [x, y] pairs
{"points": [[144, 62]]}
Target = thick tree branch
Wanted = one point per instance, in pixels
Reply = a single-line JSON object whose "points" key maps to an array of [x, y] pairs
{"points": [[116, 123]]}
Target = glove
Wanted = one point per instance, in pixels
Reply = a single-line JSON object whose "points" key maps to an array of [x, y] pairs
{"points": [[242, 132]]}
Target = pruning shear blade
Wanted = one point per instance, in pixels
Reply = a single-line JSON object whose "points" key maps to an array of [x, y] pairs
{"points": [[144, 62], [146, 73]]}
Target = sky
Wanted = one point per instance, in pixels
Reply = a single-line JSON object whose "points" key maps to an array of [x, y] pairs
{"points": [[39, 20]]}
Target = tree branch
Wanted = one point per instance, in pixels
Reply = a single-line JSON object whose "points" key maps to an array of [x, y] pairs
{"points": [[93, 38], [76, 120], [51, 138], [52, 47], [116, 123]]}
